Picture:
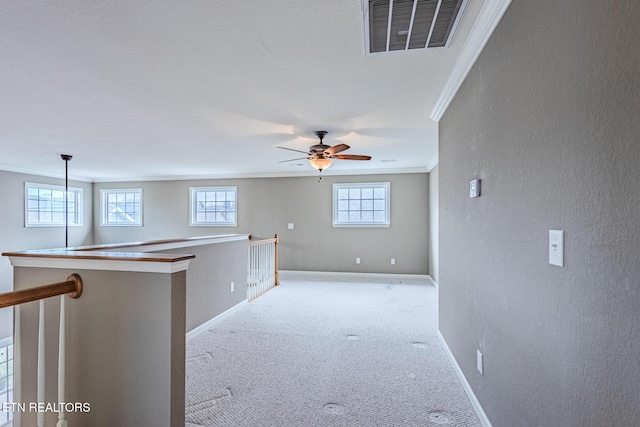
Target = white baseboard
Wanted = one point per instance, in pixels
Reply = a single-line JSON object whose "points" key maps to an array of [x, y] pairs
{"points": [[209, 323], [419, 279], [484, 420], [433, 282]]}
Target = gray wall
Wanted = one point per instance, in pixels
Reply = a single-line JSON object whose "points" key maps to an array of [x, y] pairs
{"points": [[124, 358], [209, 280], [14, 236], [267, 205], [434, 192], [548, 118]]}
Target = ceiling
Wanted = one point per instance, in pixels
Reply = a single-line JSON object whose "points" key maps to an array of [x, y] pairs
{"points": [[170, 90]]}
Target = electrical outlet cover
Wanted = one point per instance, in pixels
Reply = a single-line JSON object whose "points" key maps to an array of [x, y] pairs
{"points": [[474, 188], [556, 247]]}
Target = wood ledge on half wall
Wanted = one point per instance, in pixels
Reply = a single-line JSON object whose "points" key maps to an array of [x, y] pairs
{"points": [[124, 252]]}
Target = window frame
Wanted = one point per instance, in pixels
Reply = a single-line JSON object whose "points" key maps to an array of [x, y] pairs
{"points": [[193, 209], [9, 368], [104, 220], [78, 213], [361, 185]]}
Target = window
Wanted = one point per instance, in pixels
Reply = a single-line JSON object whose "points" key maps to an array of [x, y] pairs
{"points": [[213, 206], [6, 379], [121, 207], [45, 205], [361, 204]]}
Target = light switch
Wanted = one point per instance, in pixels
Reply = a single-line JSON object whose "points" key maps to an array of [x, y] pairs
{"points": [[474, 188], [290, 226], [556, 247]]}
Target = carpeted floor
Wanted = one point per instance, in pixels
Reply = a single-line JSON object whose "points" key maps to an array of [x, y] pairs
{"points": [[326, 354]]}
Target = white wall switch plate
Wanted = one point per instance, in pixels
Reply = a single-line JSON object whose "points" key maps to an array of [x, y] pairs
{"points": [[479, 362], [393, 261], [474, 188], [556, 247], [290, 226], [357, 260], [233, 286]]}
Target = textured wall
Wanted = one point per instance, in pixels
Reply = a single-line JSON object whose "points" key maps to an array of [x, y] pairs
{"points": [[549, 120], [434, 186], [267, 205]]}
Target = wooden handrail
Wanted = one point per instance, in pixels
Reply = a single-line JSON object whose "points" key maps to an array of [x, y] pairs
{"points": [[73, 287], [259, 242]]}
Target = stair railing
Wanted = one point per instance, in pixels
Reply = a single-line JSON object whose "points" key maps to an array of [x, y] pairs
{"points": [[71, 287], [262, 269]]}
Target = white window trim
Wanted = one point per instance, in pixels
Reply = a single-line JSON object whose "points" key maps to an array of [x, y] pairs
{"points": [[103, 207], [79, 205], [8, 342], [386, 185], [192, 210]]}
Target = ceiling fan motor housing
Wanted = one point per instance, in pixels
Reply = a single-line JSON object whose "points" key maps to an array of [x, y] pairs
{"points": [[319, 148]]}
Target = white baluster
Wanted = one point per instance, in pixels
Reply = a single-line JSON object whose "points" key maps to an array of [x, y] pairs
{"points": [[17, 364], [267, 271], [252, 271], [41, 365], [265, 277], [261, 266], [62, 422], [255, 271], [272, 276], [261, 263]]}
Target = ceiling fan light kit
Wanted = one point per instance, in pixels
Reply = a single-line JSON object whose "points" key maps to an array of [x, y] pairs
{"points": [[321, 155], [320, 163]]}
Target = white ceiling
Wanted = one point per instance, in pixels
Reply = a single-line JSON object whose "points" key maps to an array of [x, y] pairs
{"points": [[142, 89]]}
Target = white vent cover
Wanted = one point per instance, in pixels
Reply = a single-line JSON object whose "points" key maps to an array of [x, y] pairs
{"points": [[393, 25]]}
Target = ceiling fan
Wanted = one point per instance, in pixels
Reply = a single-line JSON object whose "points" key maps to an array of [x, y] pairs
{"points": [[321, 155]]}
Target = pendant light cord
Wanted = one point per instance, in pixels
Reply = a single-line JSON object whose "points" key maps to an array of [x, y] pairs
{"points": [[66, 159]]}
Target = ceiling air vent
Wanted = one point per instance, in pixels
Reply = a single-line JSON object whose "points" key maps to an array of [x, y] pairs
{"points": [[392, 25]]}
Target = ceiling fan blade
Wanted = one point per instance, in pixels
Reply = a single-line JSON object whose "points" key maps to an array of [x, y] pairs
{"points": [[291, 149], [351, 157], [336, 149], [291, 160]]}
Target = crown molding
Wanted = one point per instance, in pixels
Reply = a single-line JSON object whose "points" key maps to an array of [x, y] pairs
{"points": [[144, 178], [311, 173], [488, 18], [34, 172]]}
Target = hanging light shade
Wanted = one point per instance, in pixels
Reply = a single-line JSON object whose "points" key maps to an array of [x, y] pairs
{"points": [[320, 163]]}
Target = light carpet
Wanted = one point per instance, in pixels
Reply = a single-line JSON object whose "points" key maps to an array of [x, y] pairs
{"points": [[326, 354]]}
